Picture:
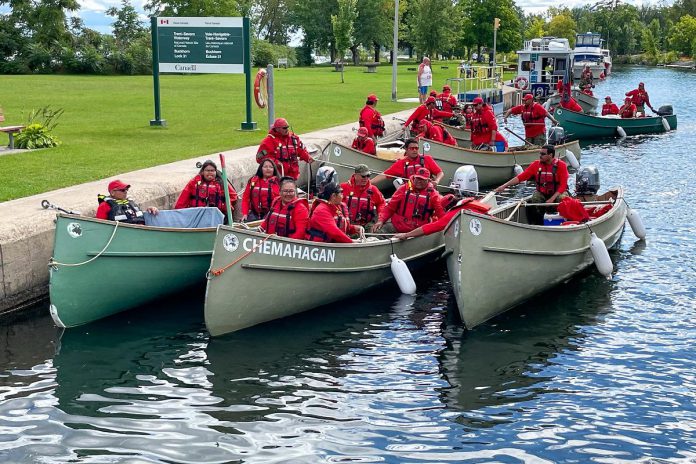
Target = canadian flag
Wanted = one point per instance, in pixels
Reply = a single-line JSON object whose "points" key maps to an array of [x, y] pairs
{"points": [[164, 21]]}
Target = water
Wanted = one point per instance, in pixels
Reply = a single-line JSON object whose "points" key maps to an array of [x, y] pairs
{"points": [[593, 371]]}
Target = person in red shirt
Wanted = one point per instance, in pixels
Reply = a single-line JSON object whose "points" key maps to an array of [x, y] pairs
{"points": [[609, 107], [427, 111], [118, 207], [289, 215], [569, 103], [284, 148], [435, 132], [640, 98], [414, 204], [407, 166], [364, 200], [551, 177], [628, 109], [447, 101], [364, 143], [260, 191], [370, 118], [469, 203], [534, 118], [206, 189], [484, 127], [328, 221]]}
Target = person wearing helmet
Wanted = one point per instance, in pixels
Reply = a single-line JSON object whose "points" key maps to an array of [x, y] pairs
{"points": [[427, 111], [364, 143], [534, 118], [414, 204], [551, 178], [609, 107], [364, 200], [284, 148], [206, 189], [118, 207], [289, 215], [370, 118], [640, 98], [435, 132], [407, 166], [484, 127], [447, 101], [328, 220]]}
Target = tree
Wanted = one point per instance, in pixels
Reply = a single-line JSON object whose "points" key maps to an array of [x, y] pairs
{"points": [[563, 25], [128, 25], [481, 14], [343, 26], [431, 25], [314, 17], [535, 27], [194, 7], [682, 34], [272, 20], [649, 45], [373, 27]]}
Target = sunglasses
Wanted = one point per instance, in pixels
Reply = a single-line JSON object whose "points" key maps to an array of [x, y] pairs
{"points": [[366, 176], [284, 127], [287, 191]]}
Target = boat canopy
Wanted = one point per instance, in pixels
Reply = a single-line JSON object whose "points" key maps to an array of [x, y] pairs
{"points": [[589, 39]]}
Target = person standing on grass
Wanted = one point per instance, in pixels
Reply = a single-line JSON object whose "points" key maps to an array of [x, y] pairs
{"points": [[425, 79]]}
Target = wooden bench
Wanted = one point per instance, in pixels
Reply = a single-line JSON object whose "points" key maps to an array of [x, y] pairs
{"points": [[371, 67], [411, 69], [11, 131], [283, 62]]}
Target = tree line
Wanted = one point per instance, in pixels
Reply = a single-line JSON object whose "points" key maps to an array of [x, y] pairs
{"points": [[41, 36]]}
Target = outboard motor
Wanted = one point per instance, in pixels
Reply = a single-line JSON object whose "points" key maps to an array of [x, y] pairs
{"points": [[556, 135], [325, 175], [665, 110], [465, 180], [587, 180]]}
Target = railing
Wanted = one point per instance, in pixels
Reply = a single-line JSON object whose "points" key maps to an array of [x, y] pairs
{"points": [[477, 78]]}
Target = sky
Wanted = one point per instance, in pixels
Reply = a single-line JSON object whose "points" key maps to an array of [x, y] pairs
{"points": [[92, 11]]}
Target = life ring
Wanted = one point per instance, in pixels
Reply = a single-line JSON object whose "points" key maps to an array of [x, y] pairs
{"points": [[521, 82], [261, 89]]}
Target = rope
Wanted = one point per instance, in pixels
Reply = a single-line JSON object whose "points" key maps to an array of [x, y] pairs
{"points": [[52, 263], [216, 272]]}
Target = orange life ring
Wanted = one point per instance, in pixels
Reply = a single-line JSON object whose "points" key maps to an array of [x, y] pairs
{"points": [[261, 89], [521, 82]]}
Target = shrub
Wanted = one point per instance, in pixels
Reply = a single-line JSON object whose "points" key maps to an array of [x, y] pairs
{"points": [[264, 53], [37, 133]]}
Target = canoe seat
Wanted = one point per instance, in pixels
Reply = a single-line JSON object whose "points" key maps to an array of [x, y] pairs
{"points": [[390, 155]]}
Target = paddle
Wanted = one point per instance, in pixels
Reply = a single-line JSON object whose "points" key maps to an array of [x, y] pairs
{"points": [[227, 191], [518, 136]]}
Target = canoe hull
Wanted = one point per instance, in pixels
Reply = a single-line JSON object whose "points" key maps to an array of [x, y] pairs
{"points": [[140, 264], [493, 169], [496, 264], [281, 277], [584, 126]]}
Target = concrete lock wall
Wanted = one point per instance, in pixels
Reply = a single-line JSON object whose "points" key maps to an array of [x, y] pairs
{"points": [[27, 230]]}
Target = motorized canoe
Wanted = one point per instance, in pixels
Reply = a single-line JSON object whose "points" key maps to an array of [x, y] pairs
{"points": [[498, 261], [588, 103], [100, 267], [585, 126], [492, 168], [255, 277]]}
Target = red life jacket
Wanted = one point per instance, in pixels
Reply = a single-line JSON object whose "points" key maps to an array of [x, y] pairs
{"points": [[529, 117], [279, 218], [261, 198], [442, 102], [447, 138], [341, 218], [377, 125], [410, 168], [478, 124], [628, 111], [547, 182], [359, 144], [208, 194], [417, 204], [361, 210], [472, 204]]}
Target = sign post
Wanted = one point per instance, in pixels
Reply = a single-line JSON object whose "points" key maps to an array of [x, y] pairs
{"points": [[201, 45]]}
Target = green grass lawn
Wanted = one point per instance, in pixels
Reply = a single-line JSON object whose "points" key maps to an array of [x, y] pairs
{"points": [[105, 128]]}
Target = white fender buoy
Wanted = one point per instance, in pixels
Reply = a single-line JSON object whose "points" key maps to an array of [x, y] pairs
{"points": [[601, 256], [403, 276], [620, 130], [665, 124], [572, 160], [636, 224], [517, 170]]}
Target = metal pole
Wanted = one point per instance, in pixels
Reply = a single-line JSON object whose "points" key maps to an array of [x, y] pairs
{"points": [[271, 90], [495, 37], [395, 48], [246, 24], [155, 73]]}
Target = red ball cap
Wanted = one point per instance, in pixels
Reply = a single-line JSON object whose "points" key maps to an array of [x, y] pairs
{"points": [[423, 173], [477, 100], [372, 97], [446, 87], [117, 185], [430, 100], [640, 84], [529, 96], [607, 97], [362, 132], [279, 123]]}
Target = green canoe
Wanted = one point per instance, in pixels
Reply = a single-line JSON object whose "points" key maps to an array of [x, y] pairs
{"points": [[585, 126], [100, 267], [255, 278], [498, 261]]}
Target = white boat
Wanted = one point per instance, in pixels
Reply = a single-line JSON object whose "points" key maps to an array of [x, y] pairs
{"points": [[607, 61], [588, 52], [498, 261], [541, 63]]}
